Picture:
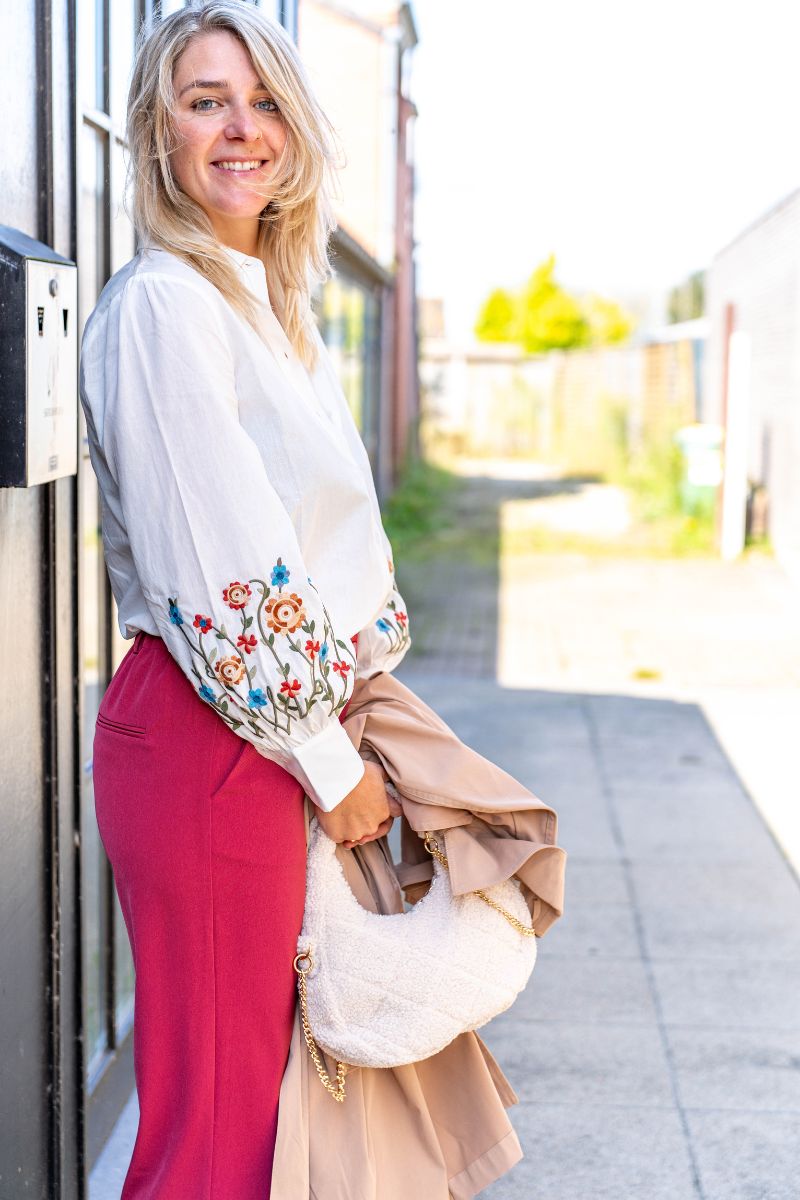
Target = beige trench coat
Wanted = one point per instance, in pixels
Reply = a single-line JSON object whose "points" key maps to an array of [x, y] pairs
{"points": [[437, 1128]]}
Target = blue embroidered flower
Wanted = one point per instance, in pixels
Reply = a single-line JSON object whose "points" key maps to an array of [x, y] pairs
{"points": [[206, 692], [323, 652], [280, 574], [175, 614], [384, 626], [256, 698]]}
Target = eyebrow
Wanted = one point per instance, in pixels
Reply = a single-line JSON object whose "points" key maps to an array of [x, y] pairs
{"points": [[217, 83]]}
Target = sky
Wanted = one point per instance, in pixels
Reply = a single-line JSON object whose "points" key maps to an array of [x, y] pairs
{"points": [[631, 138]]}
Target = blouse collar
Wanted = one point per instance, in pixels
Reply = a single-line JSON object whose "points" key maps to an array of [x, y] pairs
{"points": [[252, 272]]}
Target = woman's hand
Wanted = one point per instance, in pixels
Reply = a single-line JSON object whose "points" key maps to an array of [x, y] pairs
{"points": [[365, 814]]}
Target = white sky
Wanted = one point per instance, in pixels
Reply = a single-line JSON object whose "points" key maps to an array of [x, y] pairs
{"points": [[633, 138]]}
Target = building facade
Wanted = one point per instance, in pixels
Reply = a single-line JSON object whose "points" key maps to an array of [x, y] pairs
{"points": [[66, 1000], [753, 376]]}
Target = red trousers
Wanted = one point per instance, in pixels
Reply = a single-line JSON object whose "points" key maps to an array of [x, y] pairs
{"points": [[206, 840]]}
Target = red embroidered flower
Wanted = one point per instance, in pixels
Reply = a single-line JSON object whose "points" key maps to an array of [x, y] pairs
{"points": [[291, 688], [401, 617], [341, 667], [236, 594], [247, 642], [202, 623], [312, 647]]}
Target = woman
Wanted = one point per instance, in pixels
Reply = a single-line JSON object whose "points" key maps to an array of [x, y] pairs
{"points": [[246, 553]]}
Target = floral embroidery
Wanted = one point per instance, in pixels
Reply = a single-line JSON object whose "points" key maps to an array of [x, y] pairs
{"points": [[236, 594], [394, 623], [229, 670], [314, 669], [285, 614], [280, 575]]}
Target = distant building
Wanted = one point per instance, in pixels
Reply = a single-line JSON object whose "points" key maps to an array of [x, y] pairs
{"points": [[753, 373], [359, 58]]}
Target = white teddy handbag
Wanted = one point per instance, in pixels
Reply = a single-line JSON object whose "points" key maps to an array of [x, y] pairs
{"points": [[382, 990]]}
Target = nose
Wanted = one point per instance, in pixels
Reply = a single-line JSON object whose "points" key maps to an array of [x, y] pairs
{"points": [[243, 124]]}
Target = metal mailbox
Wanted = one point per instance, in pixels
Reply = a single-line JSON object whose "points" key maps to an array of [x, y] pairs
{"points": [[38, 362]]}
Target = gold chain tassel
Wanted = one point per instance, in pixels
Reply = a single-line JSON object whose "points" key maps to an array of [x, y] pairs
{"points": [[432, 846], [335, 1089]]}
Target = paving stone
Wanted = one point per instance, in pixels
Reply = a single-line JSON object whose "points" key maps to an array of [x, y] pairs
{"points": [[746, 1155], [757, 1069], [595, 880], [597, 1152], [574, 989], [598, 930], [580, 1062], [719, 910], [729, 994]]}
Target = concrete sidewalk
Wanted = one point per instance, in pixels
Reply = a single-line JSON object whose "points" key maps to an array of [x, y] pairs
{"points": [[656, 1051]]}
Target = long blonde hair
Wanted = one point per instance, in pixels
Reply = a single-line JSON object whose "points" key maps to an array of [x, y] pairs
{"points": [[296, 224]]}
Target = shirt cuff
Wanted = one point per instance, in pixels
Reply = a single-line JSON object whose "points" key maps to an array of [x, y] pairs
{"points": [[328, 766]]}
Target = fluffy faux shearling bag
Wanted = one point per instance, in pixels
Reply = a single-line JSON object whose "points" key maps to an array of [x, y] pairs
{"points": [[384, 990]]}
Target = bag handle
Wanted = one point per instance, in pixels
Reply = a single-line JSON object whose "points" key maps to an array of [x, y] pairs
{"points": [[432, 846]]}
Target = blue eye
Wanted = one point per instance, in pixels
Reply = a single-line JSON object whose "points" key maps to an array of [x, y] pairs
{"points": [[209, 100]]}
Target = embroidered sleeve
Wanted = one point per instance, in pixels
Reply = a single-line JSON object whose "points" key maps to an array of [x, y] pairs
{"points": [[215, 551], [383, 643]]}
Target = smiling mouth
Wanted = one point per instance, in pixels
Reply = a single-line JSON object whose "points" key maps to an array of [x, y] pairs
{"points": [[232, 167]]}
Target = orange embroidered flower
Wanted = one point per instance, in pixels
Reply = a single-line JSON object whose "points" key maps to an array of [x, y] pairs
{"points": [[285, 614], [401, 617], [342, 668], [312, 647], [291, 688], [229, 670], [247, 642], [236, 594]]}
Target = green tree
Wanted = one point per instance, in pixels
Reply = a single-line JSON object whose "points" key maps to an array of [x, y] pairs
{"points": [[545, 316], [608, 321], [497, 318]]}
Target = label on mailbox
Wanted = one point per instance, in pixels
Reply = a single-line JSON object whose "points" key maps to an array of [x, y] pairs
{"points": [[52, 354]]}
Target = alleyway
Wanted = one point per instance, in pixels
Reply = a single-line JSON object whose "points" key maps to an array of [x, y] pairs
{"points": [[656, 1052]]}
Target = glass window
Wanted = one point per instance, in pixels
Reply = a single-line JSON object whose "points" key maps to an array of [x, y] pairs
{"points": [[121, 47], [349, 324]]}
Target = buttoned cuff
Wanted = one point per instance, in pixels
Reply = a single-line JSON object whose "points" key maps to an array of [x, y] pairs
{"points": [[328, 766]]}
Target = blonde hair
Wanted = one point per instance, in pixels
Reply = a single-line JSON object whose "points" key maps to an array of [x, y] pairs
{"points": [[296, 224]]}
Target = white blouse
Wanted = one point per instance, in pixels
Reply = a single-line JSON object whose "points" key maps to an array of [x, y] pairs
{"points": [[238, 511]]}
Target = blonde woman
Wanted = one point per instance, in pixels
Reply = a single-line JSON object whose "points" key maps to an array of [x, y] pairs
{"points": [[246, 553]]}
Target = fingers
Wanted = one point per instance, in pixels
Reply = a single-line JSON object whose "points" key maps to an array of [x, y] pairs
{"points": [[380, 832]]}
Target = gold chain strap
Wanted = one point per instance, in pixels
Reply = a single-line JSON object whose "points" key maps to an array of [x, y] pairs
{"points": [[432, 846], [335, 1089]]}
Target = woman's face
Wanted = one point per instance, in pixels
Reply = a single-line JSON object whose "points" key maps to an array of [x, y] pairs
{"points": [[226, 121]]}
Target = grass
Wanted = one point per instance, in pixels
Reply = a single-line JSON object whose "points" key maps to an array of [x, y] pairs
{"points": [[435, 513], [421, 511]]}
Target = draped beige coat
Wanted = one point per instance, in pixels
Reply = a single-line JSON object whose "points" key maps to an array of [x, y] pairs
{"points": [[438, 1128]]}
